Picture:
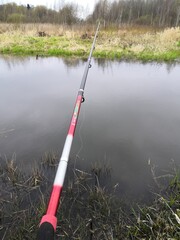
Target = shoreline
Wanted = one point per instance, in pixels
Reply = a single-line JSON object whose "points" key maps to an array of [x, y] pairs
{"points": [[170, 56], [167, 57], [88, 207], [120, 44]]}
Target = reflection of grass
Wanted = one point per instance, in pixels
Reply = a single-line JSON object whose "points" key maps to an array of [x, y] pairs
{"points": [[129, 43], [88, 210]]}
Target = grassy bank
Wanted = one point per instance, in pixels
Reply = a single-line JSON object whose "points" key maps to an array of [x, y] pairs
{"points": [[124, 43], [88, 209]]}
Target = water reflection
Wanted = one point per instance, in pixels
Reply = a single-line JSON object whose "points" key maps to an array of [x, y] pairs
{"points": [[12, 61], [131, 114], [104, 64], [170, 66], [72, 62]]}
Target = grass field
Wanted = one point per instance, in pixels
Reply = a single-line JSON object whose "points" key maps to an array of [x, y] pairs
{"points": [[136, 43]]}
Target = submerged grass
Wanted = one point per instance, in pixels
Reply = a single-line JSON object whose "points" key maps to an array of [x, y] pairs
{"points": [[120, 43], [88, 209]]}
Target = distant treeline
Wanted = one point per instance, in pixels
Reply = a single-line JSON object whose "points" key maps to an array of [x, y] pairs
{"points": [[159, 13], [13, 13]]}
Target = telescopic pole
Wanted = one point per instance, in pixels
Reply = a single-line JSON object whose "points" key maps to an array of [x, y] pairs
{"points": [[48, 222]]}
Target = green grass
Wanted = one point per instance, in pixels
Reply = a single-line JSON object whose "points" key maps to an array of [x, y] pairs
{"points": [[56, 47], [143, 56], [151, 56], [52, 46], [122, 43]]}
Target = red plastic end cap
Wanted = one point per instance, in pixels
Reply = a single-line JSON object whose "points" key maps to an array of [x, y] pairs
{"points": [[50, 219]]}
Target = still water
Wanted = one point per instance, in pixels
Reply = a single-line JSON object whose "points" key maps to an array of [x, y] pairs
{"points": [[130, 118]]}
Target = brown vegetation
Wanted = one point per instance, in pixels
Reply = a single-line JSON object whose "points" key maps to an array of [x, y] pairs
{"points": [[144, 43], [89, 207]]}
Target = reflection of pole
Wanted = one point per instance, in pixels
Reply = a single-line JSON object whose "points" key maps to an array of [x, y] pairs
{"points": [[49, 221]]}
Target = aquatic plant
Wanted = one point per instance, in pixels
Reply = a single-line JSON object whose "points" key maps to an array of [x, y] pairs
{"points": [[89, 210]]}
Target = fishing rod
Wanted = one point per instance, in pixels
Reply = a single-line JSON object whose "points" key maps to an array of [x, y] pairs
{"points": [[48, 222]]}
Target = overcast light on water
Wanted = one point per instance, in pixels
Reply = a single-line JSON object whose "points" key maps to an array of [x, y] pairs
{"points": [[130, 117]]}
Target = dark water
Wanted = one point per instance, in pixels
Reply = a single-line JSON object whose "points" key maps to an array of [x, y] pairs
{"points": [[130, 117]]}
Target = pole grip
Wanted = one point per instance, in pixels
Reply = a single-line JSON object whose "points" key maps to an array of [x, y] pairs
{"points": [[46, 231]]}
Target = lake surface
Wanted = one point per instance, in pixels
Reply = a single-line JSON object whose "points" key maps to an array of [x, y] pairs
{"points": [[130, 118]]}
